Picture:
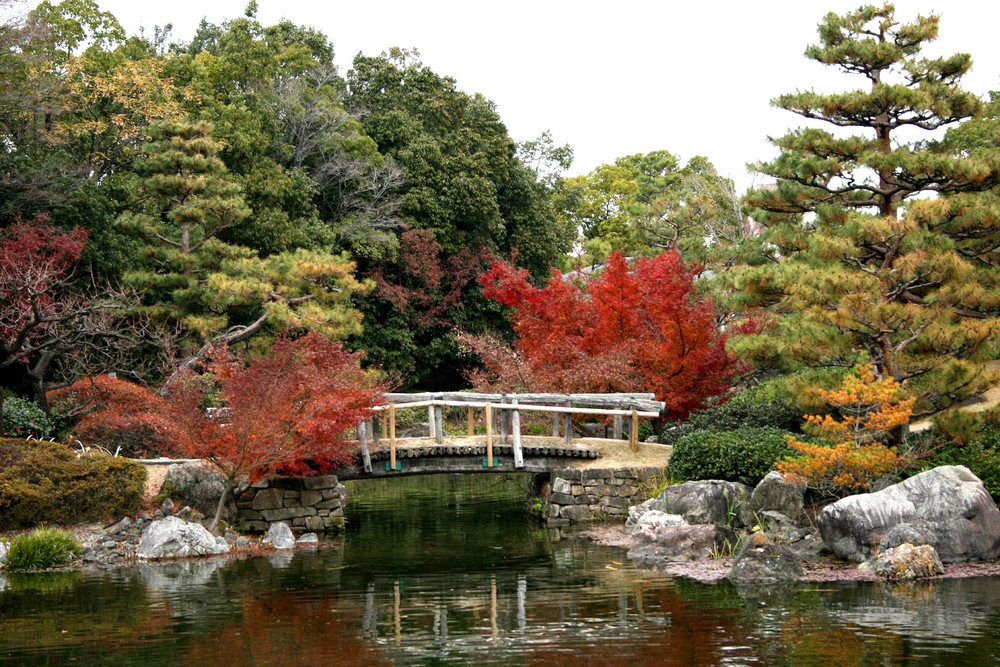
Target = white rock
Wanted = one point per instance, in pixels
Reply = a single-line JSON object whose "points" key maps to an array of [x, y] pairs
{"points": [[279, 535], [172, 537], [560, 485], [655, 519], [308, 538], [3, 554]]}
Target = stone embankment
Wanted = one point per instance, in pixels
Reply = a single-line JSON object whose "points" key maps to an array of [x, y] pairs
{"points": [[306, 504], [589, 494]]}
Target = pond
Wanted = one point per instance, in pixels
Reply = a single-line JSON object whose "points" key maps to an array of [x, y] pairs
{"points": [[449, 570]]}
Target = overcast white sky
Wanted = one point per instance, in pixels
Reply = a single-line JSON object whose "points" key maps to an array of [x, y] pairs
{"points": [[611, 78]]}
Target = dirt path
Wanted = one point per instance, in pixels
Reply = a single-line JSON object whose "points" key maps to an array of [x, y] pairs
{"points": [[990, 400]]}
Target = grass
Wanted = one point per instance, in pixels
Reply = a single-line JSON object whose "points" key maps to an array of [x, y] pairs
{"points": [[42, 548]]}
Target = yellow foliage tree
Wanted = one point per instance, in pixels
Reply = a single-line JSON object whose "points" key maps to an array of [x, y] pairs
{"points": [[851, 455]]}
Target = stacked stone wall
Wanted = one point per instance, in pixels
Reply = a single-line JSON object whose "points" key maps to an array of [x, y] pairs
{"points": [[306, 504], [599, 494]]}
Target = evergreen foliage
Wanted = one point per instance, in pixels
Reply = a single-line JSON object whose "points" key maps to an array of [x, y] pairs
{"points": [[741, 455], [861, 264]]}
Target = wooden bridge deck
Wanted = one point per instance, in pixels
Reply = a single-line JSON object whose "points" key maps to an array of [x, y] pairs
{"points": [[466, 454]]}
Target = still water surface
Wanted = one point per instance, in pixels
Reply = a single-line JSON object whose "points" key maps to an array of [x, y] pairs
{"points": [[448, 570]]}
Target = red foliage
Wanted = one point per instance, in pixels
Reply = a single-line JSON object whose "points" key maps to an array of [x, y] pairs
{"points": [[117, 413], [36, 259], [295, 403], [627, 329], [427, 285]]}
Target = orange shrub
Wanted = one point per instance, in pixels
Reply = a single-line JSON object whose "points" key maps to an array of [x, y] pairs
{"points": [[851, 456]]}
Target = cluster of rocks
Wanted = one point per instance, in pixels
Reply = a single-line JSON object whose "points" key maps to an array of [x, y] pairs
{"points": [[902, 532], [575, 496], [700, 519], [120, 541], [307, 504]]}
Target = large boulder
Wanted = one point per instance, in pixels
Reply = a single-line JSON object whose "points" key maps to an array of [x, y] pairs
{"points": [[947, 507], [635, 512], [172, 537], [762, 563], [279, 536], [198, 484], [3, 554], [684, 542], [776, 493], [706, 501], [907, 562]]}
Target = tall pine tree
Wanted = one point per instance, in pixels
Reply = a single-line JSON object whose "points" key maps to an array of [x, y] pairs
{"points": [[866, 258], [215, 292]]}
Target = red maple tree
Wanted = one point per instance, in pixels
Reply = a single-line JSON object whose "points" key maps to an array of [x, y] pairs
{"points": [[53, 325], [116, 413], [629, 328], [296, 402]]}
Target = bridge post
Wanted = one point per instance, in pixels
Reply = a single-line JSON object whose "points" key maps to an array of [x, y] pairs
{"points": [[633, 440], [489, 435], [617, 433], [375, 430], [472, 422], [366, 457], [430, 422], [515, 417], [569, 425], [438, 420], [504, 421], [555, 424], [392, 436]]}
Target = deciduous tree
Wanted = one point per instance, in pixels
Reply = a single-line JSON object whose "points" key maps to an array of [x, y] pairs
{"points": [[295, 402], [52, 330], [627, 329]]}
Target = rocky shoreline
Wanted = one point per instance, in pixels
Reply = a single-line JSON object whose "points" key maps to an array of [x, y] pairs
{"points": [[818, 569]]}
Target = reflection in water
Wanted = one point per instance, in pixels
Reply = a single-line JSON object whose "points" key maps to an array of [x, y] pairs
{"points": [[449, 570]]}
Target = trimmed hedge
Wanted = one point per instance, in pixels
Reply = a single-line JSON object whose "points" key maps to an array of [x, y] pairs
{"points": [[749, 409], [739, 455], [43, 482], [753, 408]]}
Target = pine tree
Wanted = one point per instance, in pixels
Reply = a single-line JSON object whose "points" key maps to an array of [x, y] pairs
{"points": [[220, 293], [865, 256]]}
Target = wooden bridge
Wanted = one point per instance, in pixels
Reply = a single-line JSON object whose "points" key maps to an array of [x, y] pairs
{"points": [[503, 446]]}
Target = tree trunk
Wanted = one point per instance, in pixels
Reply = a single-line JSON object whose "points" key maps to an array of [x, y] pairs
{"points": [[222, 503]]}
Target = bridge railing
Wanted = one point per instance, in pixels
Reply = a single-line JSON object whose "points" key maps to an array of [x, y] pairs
{"points": [[508, 407]]}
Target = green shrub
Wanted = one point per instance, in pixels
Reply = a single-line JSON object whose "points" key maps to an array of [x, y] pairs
{"points": [[42, 548], [22, 418], [981, 456], [47, 482], [740, 455], [749, 409]]}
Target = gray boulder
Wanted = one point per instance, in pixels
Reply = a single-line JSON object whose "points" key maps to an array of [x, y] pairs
{"points": [[635, 512], [762, 563], [279, 536], [947, 507], [686, 542], [706, 501], [656, 519], [775, 493], [308, 538], [199, 485], [907, 562], [3, 554], [175, 538]]}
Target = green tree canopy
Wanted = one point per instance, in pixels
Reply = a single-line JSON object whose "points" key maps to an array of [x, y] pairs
{"points": [[862, 262]]}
